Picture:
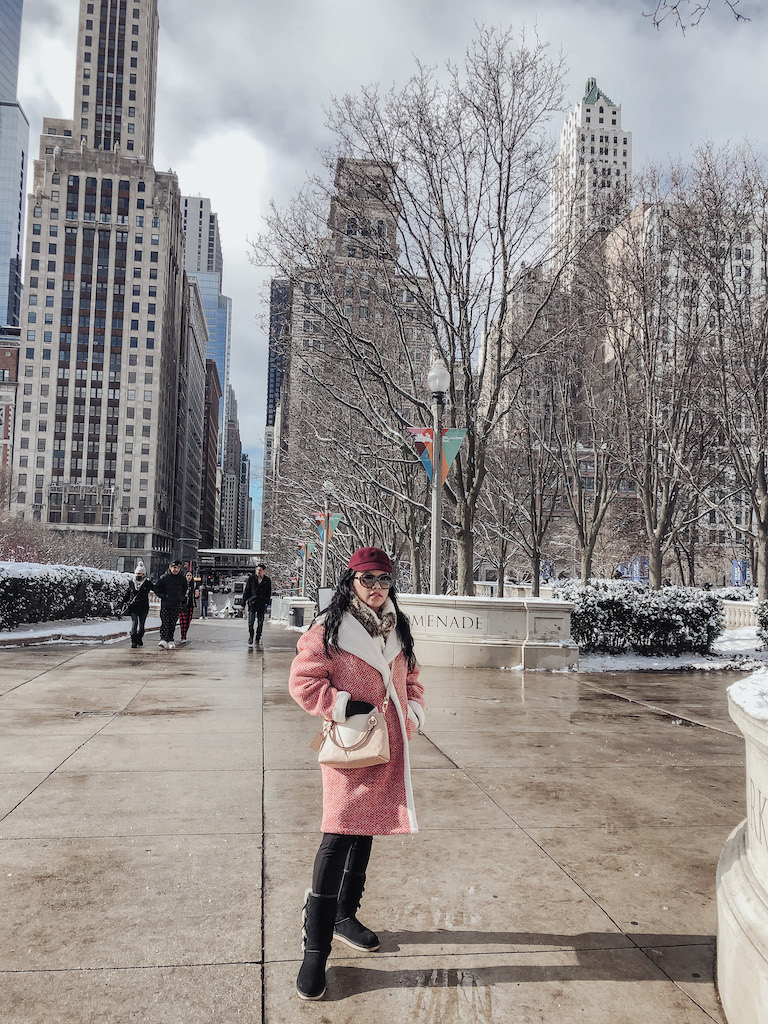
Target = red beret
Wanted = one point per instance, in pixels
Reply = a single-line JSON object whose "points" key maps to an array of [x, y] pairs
{"points": [[370, 558]]}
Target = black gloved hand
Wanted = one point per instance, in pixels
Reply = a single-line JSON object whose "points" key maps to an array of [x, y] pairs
{"points": [[358, 707]]}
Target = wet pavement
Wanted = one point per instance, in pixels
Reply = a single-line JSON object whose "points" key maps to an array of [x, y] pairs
{"points": [[159, 815]]}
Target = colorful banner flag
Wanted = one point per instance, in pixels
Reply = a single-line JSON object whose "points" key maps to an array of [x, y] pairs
{"points": [[333, 522], [423, 443], [309, 546]]}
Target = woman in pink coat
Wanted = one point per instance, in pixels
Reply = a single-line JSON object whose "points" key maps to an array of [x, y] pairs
{"points": [[344, 663]]}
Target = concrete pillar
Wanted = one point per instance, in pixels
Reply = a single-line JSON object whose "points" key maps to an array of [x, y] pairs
{"points": [[742, 872]]}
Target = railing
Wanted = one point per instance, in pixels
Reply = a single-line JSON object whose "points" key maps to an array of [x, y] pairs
{"points": [[739, 614]]}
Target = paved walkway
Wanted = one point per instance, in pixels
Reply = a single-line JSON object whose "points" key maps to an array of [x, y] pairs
{"points": [[159, 815]]}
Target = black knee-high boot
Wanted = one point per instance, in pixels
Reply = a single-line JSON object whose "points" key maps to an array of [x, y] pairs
{"points": [[347, 927], [317, 934]]}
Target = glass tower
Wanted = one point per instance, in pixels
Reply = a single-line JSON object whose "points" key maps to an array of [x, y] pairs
{"points": [[14, 140], [203, 264]]}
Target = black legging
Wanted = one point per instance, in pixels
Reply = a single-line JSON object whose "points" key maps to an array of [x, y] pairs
{"points": [[336, 853]]}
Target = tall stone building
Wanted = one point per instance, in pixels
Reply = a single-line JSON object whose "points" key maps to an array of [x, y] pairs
{"points": [[190, 440], [245, 504], [105, 367], [280, 302], [230, 484], [14, 144], [9, 382], [209, 505], [591, 175]]}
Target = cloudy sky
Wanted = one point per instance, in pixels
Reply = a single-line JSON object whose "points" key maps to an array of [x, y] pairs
{"points": [[242, 86]]}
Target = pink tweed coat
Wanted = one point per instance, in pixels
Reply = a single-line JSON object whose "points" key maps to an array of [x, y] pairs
{"points": [[378, 800]]}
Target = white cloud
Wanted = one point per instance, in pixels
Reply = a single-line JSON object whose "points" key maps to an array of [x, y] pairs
{"points": [[242, 87]]}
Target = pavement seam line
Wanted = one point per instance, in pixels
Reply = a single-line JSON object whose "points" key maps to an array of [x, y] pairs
{"points": [[659, 711], [85, 741], [592, 900], [45, 671]]}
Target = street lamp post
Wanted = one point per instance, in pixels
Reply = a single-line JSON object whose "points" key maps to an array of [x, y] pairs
{"points": [[300, 571], [438, 380], [327, 488]]}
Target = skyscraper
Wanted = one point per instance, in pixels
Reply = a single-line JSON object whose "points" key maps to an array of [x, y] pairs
{"points": [[14, 142], [351, 297], [203, 264], [230, 484], [591, 175], [108, 392]]}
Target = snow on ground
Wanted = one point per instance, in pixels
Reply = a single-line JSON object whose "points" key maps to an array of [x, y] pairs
{"points": [[752, 694], [82, 631]]}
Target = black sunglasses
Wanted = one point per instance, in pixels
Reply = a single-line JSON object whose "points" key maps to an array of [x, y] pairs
{"points": [[369, 580]]}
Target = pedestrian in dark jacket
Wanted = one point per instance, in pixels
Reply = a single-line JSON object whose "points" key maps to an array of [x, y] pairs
{"points": [[188, 607], [137, 603], [205, 592], [257, 594], [171, 588]]}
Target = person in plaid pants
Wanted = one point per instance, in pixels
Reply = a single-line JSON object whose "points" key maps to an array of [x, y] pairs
{"points": [[188, 607]]}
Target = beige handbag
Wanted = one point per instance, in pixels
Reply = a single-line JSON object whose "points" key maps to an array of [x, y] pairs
{"points": [[360, 741]]}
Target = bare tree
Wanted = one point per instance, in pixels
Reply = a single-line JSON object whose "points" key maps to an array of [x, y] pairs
{"points": [[722, 204], [464, 159], [656, 336], [588, 399], [688, 13], [24, 540]]}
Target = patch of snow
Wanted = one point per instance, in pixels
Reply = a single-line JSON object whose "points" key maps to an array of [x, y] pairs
{"points": [[72, 630], [751, 695]]}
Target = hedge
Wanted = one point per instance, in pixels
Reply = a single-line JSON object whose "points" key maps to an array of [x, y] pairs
{"points": [[45, 593], [617, 616]]}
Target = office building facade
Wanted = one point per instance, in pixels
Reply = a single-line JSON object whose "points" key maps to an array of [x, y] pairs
{"points": [[209, 504], [591, 176], [108, 376]]}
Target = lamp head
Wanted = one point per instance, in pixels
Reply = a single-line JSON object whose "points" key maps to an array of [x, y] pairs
{"points": [[438, 378]]}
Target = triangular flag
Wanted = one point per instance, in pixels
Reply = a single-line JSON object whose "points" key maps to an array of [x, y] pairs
{"points": [[422, 442], [452, 439]]}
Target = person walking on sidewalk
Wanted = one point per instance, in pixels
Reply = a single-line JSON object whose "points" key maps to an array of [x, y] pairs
{"points": [[137, 603], [170, 588], [344, 664], [205, 593], [257, 594], [187, 609]]}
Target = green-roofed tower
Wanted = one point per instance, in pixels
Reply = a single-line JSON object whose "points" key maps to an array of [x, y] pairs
{"points": [[592, 173]]}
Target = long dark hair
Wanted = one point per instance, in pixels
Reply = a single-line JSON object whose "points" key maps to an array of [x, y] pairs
{"points": [[340, 602]]}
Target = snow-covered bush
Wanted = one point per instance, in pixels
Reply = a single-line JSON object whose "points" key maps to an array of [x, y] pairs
{"points": [[43, 593], [615, 616], [735, 593]]}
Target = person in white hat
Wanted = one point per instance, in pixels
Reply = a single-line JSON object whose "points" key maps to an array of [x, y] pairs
{"points": [[137, 603]]}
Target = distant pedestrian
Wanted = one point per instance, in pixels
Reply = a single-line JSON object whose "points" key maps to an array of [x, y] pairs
{"points": [[187, 609], [171, 588], [257, 595], [204, 595], [345, 663], [137, 603]]}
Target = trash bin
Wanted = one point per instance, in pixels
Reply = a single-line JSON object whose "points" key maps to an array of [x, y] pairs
{"points": [[297, 616]]}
